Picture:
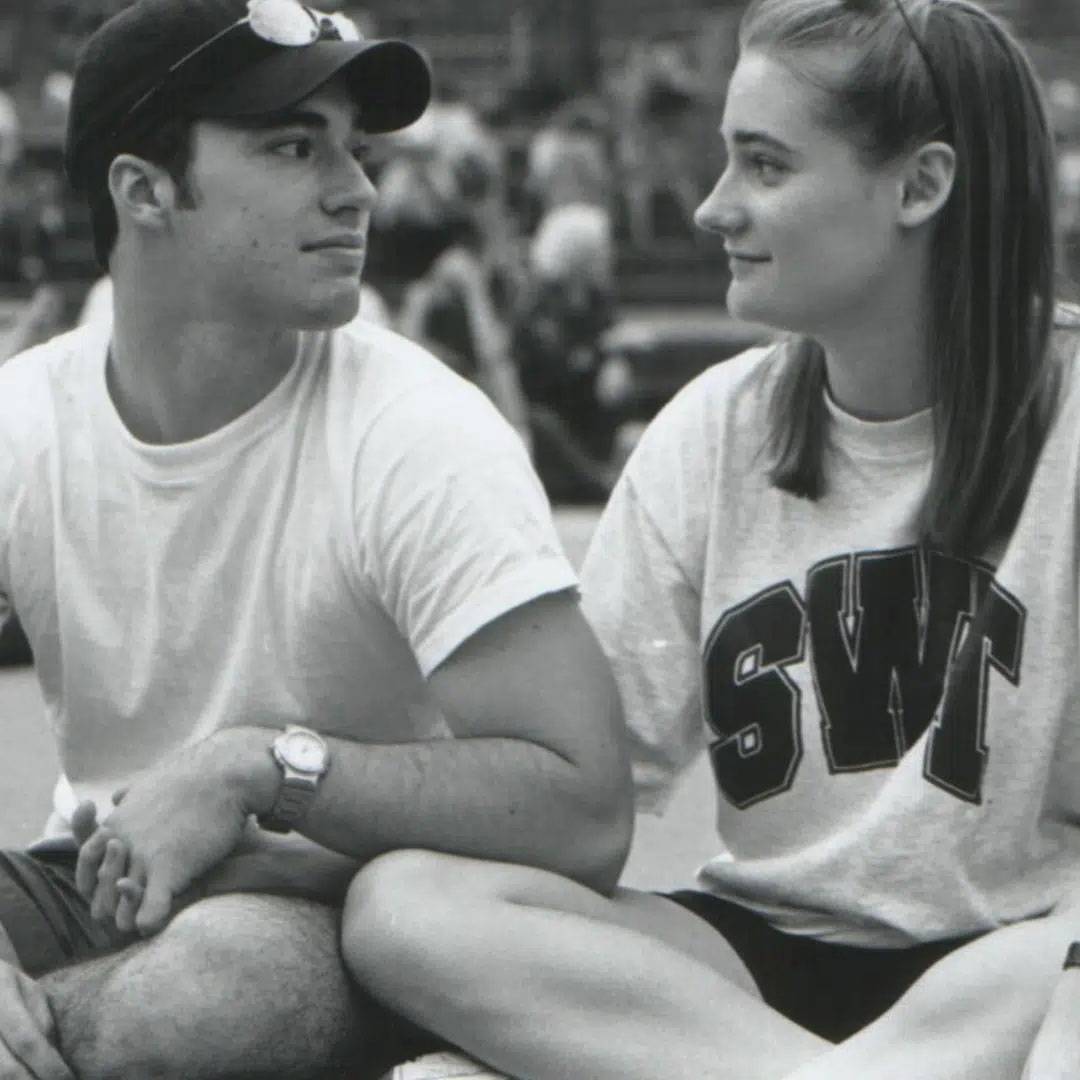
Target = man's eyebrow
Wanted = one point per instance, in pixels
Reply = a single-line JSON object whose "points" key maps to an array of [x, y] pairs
{"points": [[750, 138]]}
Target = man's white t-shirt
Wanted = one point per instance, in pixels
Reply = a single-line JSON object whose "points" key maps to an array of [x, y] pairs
{"points": [[311, 562]]}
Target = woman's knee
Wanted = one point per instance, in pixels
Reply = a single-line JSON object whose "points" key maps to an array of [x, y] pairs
{"points": [[400, 914]]}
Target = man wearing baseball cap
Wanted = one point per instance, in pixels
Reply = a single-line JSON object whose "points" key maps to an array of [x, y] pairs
{"points": [[279, 578]]}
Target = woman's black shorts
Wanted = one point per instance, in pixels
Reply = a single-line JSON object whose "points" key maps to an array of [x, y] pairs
{"points": [[832, 990]]}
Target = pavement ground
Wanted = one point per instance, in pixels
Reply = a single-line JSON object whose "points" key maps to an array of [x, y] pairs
{"points": [[666, 850]]}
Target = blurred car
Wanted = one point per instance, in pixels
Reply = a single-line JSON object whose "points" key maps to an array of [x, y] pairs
{"points": [[648, 356], [639, 364]]}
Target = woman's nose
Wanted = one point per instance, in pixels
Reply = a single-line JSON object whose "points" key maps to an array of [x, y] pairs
{"points": [[719, 213]]}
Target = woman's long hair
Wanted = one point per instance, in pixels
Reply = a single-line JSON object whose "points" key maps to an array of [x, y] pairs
{"points": [[940, 70]]}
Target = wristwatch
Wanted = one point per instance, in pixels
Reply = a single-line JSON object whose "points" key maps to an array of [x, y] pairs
{"points": [[303, 757]]}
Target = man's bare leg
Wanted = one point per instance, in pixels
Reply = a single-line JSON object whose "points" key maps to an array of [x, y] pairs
{"points": [[235, 987], [545, 979]]}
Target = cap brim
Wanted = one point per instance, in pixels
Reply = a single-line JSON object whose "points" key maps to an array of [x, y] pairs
{"points": [[389, 79]]}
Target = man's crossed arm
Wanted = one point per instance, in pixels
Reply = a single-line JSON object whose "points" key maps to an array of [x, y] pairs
{"points": [[536, 773]]}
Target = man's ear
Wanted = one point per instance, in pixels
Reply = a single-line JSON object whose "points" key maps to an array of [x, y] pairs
{"points": [[926, 183], [142, 192]]}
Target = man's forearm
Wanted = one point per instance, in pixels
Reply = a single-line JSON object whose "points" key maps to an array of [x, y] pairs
{"points": [[496, 798], [309, 873], [533, 773]]}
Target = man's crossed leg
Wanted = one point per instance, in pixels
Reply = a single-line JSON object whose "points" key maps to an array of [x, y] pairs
{"points": [[236, 987]]}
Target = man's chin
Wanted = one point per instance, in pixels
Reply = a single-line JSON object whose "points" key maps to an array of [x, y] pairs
{"points": [[332, 312]]}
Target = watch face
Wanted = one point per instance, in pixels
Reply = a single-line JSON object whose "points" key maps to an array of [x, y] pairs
{"points": [[303, 752]]}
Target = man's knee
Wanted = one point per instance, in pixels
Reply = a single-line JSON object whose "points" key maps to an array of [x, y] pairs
{"points": [[239, 928], [221, 952], [207, 992]]}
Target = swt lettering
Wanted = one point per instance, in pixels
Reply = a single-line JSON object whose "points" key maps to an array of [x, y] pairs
{"points": [[900, 642]]}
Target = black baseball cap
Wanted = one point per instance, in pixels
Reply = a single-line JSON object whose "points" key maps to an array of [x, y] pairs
{"points": [[226, 59]]}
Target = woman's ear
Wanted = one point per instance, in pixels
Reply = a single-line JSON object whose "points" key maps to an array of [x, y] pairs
{"points": [[926, 183], [142, 192]]}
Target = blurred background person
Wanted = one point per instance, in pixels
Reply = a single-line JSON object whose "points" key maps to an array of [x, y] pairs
{"points": [[558, 329], [660, 100], [10, 129], [443, 247], [569, 160], [541, 106], [1063, 98]]}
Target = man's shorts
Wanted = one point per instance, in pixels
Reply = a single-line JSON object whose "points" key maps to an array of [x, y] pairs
{"points": [[829, 989], [47, 920]]}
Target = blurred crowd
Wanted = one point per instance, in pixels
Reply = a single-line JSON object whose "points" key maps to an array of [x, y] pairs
{"points": [[1063, 96], [495, 241]]}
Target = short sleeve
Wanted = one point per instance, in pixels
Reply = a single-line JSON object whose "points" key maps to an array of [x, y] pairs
{"points": [[646, 613], [642, 586], [458, 530]]}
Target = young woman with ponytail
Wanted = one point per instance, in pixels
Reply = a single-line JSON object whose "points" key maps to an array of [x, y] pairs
{"points": [[847, 566]]}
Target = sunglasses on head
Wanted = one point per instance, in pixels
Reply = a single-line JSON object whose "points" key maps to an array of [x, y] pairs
{"points": [[277, 22], [288, 22]]}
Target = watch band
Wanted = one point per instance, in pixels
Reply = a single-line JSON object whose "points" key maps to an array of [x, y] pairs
{"points": [[1072, 957], [298, 785], [289, 807]]}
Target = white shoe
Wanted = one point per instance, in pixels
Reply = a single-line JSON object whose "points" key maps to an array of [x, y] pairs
{"points": [[443, 1066]]}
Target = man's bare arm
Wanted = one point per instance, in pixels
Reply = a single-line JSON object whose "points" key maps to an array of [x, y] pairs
{"points": [[535, 773]]}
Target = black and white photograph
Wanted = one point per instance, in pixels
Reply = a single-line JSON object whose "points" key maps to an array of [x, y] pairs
{"points": [[532, 539]]}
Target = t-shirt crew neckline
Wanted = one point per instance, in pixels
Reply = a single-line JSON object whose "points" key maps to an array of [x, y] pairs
{"points": [[189, 460], [907, 438]]}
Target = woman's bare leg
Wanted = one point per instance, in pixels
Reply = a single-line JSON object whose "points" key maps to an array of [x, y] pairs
{"points": [[973, 1016], [545, 979]]}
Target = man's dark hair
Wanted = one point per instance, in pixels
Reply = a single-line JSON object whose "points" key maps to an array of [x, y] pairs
{"points": [[168, 145], [157, 63]]}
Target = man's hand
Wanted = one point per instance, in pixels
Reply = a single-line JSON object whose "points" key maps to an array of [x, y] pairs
{"points": [[1055, 1054], [171, 827], [27, 1031], [129, 894]]}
